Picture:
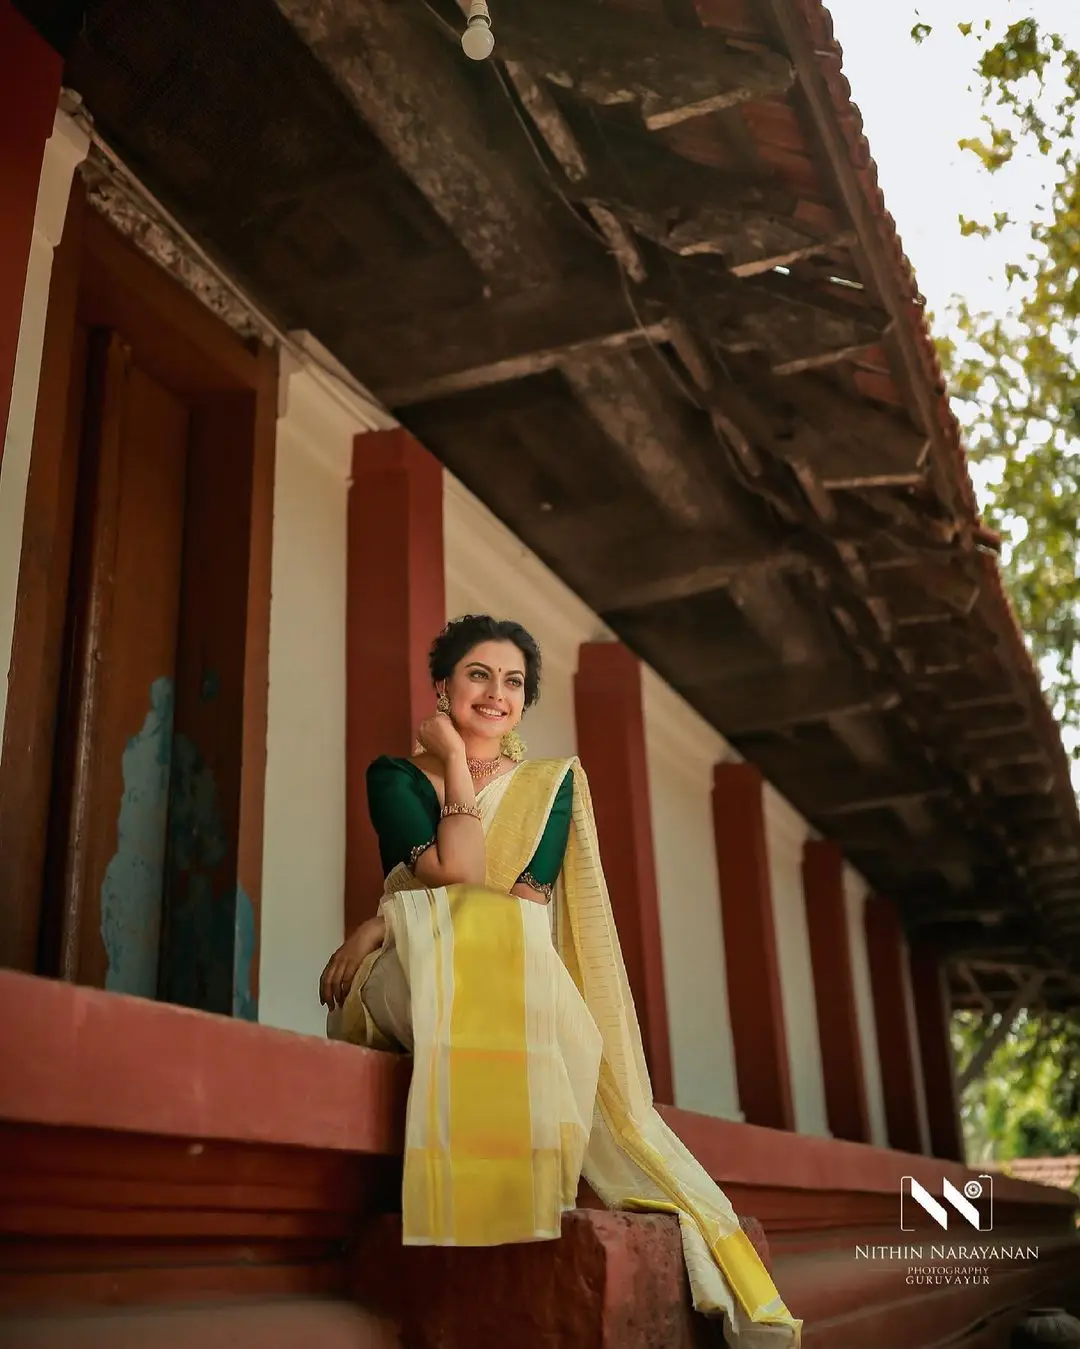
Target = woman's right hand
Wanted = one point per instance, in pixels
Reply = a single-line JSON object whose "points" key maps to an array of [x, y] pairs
{"points": [[439, 736], [341, 968]]}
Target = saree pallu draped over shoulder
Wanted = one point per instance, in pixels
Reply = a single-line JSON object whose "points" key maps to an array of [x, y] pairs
{"points": [[529, 1069]]}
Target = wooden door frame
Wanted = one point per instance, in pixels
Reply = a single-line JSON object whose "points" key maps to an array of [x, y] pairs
{"points": [[100, 280]]}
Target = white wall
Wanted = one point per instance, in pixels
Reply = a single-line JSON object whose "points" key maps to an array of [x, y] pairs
{"points": [[855, 893], [786, 833], [304, 833], [65, 149], [682, 750], [490, 571]]}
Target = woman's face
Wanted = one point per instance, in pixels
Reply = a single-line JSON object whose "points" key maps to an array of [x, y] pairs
{"points": [[487, 690]]}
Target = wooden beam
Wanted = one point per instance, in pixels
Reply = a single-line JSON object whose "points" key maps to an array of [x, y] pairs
{"points": [[405, 81], [559, 137], [840, 787], [616, 59], [777, 699], [1037, 779], [657, 571], [851, 793], [995, 722], [796, 327], [657, 435], [966, 972], [688, 209], [788, 627], [926, 587], [442, 353], [945, 648], [846, 443], [996, 1036], [538, 102]]}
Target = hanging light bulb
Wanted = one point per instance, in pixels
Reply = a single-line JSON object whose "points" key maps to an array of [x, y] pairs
{"points": [[478, 41]]}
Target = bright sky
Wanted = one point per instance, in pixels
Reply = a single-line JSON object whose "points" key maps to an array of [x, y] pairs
{"points": [[917, 101]]}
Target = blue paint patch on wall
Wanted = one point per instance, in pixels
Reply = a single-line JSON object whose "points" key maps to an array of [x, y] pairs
{"points": [[131, 893], [245, 1005]]}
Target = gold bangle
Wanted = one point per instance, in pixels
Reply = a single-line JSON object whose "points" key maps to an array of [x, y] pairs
{"points": [[541, 887], [458, 808]]}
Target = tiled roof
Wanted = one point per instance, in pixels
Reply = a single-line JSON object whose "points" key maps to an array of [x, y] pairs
{"points": [[830, 54], [784, 143], [1061, 1172]]}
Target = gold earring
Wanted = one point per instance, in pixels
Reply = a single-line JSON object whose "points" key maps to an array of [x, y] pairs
{"points": [[512, 746], [442, 704], [418, 748]]}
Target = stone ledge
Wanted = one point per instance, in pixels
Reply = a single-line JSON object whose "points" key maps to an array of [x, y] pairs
{"points": [[614, 1281]]}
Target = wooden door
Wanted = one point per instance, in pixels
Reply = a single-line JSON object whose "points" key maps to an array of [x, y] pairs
{"points": [[111, 805]]}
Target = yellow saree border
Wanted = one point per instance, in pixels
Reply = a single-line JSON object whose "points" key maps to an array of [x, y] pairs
{"points": [[521, 818]]}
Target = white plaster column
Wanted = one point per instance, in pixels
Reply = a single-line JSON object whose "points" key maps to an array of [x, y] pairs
{"points": [[855, 892], [787, 833], [65, 150], [304, 838], [682, 749]]}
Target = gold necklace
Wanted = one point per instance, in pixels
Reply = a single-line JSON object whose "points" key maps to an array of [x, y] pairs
{"points": [[483, 768]]}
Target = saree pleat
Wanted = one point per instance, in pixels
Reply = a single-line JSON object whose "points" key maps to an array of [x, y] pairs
{"points": [[529, 1069]]}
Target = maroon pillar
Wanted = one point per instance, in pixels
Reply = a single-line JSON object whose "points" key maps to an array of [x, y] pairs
{"points": [[834, 991], [611, 743], [29, 89], [932, 1015], [885, 952], [395, 607], [762, 1066]]}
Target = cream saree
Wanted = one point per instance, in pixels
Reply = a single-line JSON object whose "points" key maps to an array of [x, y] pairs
{"points": [[528, 1066]]}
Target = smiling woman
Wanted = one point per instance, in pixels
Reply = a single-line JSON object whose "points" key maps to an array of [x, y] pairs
{"points": [[495, 962]]}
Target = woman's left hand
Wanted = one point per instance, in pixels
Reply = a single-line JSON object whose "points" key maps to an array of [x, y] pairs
{"points": [[342, 966]]}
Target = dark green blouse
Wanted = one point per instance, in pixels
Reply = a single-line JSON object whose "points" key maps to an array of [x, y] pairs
{"points": [[404, 809]]}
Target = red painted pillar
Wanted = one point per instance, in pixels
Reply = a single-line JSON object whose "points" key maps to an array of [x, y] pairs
{"points": [[834, 991], [885, 952], [29, 89], [395, 607], [611, 743], [754, 996], [932, 1014]]}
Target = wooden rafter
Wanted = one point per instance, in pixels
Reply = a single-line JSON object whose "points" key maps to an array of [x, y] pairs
{"points": [[780, 698], [498, 341], [753, 224], [996, 1036], [669, 74], [795, 328]]}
